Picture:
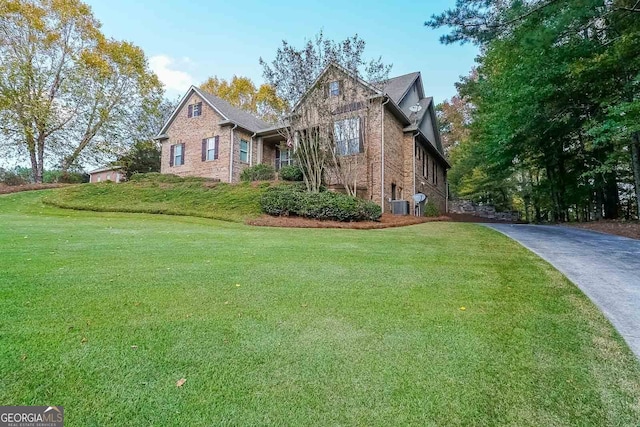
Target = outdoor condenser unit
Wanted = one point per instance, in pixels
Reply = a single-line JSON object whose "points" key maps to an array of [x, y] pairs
{"points": [[400, 207]]}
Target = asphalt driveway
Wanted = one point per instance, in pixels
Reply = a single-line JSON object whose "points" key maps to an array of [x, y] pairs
{"points": [[605, 267]]}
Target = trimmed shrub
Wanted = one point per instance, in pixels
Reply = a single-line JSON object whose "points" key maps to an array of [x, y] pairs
{"points": [[291, 173], [12, 178], [287, 199], [431, 209], [260, 172]]}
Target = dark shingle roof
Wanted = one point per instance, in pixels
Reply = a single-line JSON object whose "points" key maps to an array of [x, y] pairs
{"points": [[236, 115], [397, 87]]}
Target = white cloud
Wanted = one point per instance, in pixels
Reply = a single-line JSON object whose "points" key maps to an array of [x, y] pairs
{"points": [[173, 79]]}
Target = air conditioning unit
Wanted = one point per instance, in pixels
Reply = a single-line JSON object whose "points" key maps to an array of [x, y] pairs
{"points": [[400, 207]]}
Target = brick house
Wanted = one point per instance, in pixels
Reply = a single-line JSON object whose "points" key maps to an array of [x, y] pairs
{"points": [[107, 173], [398, 146]]}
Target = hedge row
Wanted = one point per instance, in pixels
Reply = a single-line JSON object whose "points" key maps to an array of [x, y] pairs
{"points": [[293, 200], [259, 172]]}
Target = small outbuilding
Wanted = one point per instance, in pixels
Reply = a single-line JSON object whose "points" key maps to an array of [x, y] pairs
{"points": [[107, 173]]}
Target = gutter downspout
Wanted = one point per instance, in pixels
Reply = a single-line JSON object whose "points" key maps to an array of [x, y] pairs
{"points": [[231, 155], [251, 149], [382, 154], [414, 168]]}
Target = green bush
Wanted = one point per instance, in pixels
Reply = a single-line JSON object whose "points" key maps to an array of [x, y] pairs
{"points": [[54, 176], [291, 173], [16, 176], [287, 199], [431, 209], [12, 178], [259, 172]]}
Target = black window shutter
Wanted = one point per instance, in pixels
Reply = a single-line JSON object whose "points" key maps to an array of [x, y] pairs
{"points": [[171, 152], [362, 123], [340, 87], [204, 150], [326, 90], [200, 108], [216, 146], [183, 153], [190, 111]]}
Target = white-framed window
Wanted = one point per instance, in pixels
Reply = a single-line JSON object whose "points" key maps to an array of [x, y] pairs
{"points": [[178, 155], [194, 110], [284, 157], [347, 136], [211, 148], [334, 88], [244, 151]]}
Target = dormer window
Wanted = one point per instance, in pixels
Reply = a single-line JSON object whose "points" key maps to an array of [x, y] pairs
{"points": [[334, 88], [195, 110]]}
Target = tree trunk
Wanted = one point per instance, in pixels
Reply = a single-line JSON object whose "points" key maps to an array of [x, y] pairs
{"points": [[611, 196], [598, 204], [40, 166], [34, 164], [635, 164]]}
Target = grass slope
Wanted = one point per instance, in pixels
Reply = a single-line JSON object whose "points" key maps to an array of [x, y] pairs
{"points": [[296, 326], [165, 194]]}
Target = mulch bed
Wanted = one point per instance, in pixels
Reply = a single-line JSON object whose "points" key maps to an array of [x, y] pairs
{"points": [[386, 221], [7, 189], [629, 229]]}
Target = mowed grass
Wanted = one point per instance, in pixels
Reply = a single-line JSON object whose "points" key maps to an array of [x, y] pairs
{"points": [[296, 327], [165, 194]]}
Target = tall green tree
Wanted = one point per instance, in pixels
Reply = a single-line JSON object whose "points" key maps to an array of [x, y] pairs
{"points": [[66, 91], [547, 98]]}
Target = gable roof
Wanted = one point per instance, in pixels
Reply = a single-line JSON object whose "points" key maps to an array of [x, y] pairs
{"points": [[230, 114], [105, 169], [234, 114], [416, 118], [397, 87], [342, 70]]}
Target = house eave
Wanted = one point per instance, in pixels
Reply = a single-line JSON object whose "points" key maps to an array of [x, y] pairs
{"points": [[181, 104], [105, 169], [225, 123], [397, 111], [413, 129]]}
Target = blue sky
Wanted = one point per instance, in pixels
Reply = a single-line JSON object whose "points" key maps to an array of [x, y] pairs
{"points": [[188, 41]]}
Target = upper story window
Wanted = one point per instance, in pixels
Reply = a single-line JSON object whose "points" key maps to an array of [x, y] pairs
{"points": [[244, 151], [348, 136], [334, 88], [194, 110], [177, 155]]}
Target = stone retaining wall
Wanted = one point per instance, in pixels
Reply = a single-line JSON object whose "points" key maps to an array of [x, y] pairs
{"points": [[483, 211]]}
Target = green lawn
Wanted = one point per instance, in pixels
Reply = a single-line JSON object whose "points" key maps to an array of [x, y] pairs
{"points": [[296, 326], [165, 194]]}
